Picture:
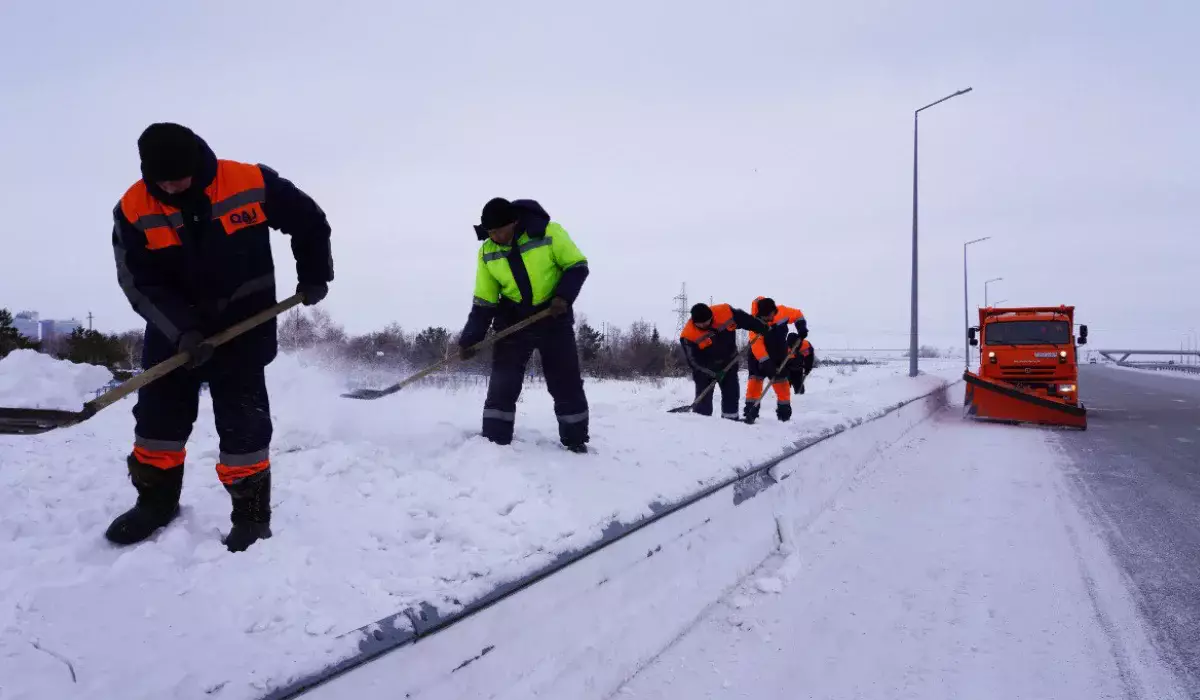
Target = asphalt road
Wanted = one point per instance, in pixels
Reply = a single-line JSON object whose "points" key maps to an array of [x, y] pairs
{"points": [[1138, 472]]}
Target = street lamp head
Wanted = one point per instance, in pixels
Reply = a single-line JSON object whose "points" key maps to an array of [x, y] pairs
{"points": [[963, 92]]}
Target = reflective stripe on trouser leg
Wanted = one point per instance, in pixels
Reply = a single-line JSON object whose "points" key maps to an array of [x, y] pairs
{"points": [[233, 467], [164, 414], [509, 359], [164, 454], [564, 380], [242, 413]]}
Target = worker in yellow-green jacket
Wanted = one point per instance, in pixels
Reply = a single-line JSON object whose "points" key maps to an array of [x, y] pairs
{"points": [[527, 264]]}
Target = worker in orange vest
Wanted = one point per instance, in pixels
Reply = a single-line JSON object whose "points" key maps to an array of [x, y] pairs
{"points": [[801, 361], [767, 354], [709, 343]]}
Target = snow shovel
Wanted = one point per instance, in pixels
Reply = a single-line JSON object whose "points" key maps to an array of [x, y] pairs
{"points": [[372, 394], [33, 421], [712, 385]]}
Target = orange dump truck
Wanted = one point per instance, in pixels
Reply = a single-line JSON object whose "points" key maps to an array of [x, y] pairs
{"points": [[1027, 367]]}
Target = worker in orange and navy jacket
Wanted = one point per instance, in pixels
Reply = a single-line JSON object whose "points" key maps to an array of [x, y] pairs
{"points": [[709, 343], [767, 354], [800, 362], [193, 256]]}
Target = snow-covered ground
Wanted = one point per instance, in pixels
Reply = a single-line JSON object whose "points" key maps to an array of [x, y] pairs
{"points": [[957, 565], [377, 506]]}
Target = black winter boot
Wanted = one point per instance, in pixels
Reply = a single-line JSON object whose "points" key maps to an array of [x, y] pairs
{"points": [[783, 412], [157, 502], [251, 514], [750, 413]]}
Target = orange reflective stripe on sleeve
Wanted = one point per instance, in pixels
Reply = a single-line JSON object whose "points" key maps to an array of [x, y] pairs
{"points": [[163, 459]]}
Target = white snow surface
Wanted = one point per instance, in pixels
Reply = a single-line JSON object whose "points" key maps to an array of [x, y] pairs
{"points": [[956, 565], [377, 506], [29, 379]]}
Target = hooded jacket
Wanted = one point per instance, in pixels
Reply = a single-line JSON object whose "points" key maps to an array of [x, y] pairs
{"points": [[515, 281], [201, 260]]}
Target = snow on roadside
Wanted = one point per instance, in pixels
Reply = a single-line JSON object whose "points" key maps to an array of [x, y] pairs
{"points": [[955, 566], [378, 506], [29, 379]]}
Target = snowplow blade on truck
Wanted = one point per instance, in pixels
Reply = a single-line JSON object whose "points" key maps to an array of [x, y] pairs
{"points": [[992, 400]]}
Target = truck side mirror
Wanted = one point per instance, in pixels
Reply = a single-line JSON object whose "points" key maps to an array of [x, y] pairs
{"points": [[971, 336]]}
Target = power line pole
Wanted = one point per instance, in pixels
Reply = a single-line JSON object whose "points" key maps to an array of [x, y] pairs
{"points": [[89, 320], [681, 310]]}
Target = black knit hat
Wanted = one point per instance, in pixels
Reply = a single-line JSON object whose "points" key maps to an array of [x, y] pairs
{"points": [[168, 152], [701, 313], [766, 307], [496, 213]]}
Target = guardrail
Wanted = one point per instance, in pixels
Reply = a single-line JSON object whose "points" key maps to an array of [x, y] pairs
{"points": [[1162, 366]]}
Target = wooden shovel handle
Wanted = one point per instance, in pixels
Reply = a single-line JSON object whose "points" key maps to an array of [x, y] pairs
{"points": [[178, 360]]}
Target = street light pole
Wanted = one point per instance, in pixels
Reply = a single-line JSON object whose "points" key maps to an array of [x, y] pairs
{"points": [[966, 305], [985, 289], [912, 340]]}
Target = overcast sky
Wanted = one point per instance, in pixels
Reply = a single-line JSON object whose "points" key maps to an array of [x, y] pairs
{"points": [[743, 148]]}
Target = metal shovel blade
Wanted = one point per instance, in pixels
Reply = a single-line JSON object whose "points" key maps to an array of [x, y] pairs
{"points": [[681, 409], [34, 421], [366, 394]]}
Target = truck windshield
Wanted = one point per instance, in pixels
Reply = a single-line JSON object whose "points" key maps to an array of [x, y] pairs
{"points": [[1028, 333]]}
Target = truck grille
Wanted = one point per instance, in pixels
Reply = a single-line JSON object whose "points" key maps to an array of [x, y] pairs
{"points": [[1029, 371]]}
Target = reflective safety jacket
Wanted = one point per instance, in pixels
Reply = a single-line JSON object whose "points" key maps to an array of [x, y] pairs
{"points": [[201, 260], [709, 350], [804, 350], [515, 281], [774, 344]]}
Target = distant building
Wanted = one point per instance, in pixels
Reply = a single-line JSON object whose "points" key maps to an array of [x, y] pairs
{"points": [[26, 323], [53, 330]]}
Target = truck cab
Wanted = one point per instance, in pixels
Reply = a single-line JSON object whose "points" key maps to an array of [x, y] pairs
{"points": [[1031, 348]]}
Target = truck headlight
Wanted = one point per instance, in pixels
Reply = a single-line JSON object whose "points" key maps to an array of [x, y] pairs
{"points": [[992, 357], [1062, 356], [1066, 388]]}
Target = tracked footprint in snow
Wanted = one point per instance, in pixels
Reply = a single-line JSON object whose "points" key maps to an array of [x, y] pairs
{"points": [[508, 509]]}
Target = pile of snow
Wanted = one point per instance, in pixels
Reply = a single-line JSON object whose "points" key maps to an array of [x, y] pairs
{"points": [[30, 379], [378, 506]]}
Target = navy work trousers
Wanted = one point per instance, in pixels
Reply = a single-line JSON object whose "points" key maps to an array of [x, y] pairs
{"points": [[554, 339]]}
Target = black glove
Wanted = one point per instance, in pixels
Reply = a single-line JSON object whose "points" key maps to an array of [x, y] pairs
{"points": [[465, 353], [559, 306], [793, 339], [197, 349], [802, 328], [312, 293]]}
